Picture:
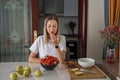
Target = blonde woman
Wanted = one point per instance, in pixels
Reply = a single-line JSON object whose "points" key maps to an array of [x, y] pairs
{"points": [[51, 43]]}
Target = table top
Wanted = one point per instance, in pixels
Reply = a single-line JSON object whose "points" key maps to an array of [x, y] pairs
{"points": [[59, 73], [112, 68]]}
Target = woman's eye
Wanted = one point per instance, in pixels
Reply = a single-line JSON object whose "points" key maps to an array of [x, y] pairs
{"points": [[54, 26], [49, 26]]}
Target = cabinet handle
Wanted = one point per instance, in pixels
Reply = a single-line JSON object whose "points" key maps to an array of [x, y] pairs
{"points": [[35, 34]]}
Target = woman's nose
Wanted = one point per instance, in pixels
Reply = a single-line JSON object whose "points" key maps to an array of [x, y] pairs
{"points": [[51, 28]]}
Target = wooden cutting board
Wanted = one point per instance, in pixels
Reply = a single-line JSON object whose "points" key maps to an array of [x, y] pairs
{"points": [[85, 75]]}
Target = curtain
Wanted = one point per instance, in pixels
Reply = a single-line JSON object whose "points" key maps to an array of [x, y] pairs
{"points": [[106, 24], [111, 9], [114, 9], [14, 30]]}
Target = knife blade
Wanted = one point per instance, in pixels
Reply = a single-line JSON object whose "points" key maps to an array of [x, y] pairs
{"points": [[88, 71]]}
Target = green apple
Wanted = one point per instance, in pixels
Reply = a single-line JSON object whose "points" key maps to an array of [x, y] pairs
{"points": [[19, 69], [78, 73], [26, 73], [38, 73], [74, 69], [27, 68], [13, 76]]}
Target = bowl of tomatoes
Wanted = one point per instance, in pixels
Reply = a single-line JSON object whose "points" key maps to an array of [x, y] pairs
{"points": [[49, 62]]}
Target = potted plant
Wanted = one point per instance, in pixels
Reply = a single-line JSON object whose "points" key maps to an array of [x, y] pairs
{"points": [[111, 36]]}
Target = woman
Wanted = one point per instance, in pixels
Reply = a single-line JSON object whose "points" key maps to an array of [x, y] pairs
{"points": [[51, 43]]}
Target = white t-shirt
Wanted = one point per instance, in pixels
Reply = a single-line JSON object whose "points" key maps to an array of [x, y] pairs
{"points": [[47, 49]]}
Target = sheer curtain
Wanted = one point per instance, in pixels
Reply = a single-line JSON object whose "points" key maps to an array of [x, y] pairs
{"points": [[15, 30]]}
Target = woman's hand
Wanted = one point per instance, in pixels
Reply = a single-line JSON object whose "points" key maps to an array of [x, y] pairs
{"points": [[54, 38]]}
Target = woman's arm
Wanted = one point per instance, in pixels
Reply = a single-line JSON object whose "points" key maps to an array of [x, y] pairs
{"points": [[61, 55], [33, 59]]}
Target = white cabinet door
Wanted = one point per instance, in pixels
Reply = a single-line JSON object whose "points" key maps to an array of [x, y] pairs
{"points": [[70, 7]]}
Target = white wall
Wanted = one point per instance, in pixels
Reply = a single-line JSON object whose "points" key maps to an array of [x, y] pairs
{"points": [[95, 23]]}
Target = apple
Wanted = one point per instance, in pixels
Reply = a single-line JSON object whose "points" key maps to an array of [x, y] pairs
{"points": [[38, 73], [74, 69], [13, 76], [26, 73], [27, 68], [19, 69], [78, 73]]}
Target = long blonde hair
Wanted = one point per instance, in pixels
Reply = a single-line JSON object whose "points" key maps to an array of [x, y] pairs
{"points": [[46, 34]]}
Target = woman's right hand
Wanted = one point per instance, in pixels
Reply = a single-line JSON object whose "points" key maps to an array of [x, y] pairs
{"points": [[54, 38]]}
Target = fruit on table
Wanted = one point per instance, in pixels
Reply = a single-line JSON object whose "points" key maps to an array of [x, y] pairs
{"points": [[78, 73], [19, 69], [49, 60], [38, 73], [74, 69], [13, 76], [26, 73], [27, 68]]}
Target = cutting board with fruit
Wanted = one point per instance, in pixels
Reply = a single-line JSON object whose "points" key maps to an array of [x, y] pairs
{"points": [[73, 70]]}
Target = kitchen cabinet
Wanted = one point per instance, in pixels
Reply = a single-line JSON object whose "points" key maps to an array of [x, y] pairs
{"points": [[72, 45], [51, 7], [59, 7], [70, 7]]}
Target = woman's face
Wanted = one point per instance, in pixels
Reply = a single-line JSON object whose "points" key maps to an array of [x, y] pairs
{"points": [[52, 27]]}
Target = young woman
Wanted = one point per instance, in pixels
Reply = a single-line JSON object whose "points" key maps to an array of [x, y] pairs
{"points": [[51, 43]]}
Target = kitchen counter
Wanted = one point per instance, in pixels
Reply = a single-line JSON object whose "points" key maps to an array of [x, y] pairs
{"points": [[59, 73], [111, 69]]}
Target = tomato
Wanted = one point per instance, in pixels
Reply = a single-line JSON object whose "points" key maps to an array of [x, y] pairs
{"points": [[49, 60]]}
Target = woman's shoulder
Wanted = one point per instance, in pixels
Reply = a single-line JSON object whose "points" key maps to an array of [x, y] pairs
{"points": [[62, 37], [40, 37]]}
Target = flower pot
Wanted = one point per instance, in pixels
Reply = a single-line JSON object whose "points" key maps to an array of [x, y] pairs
{"points": [[111, 56]]}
